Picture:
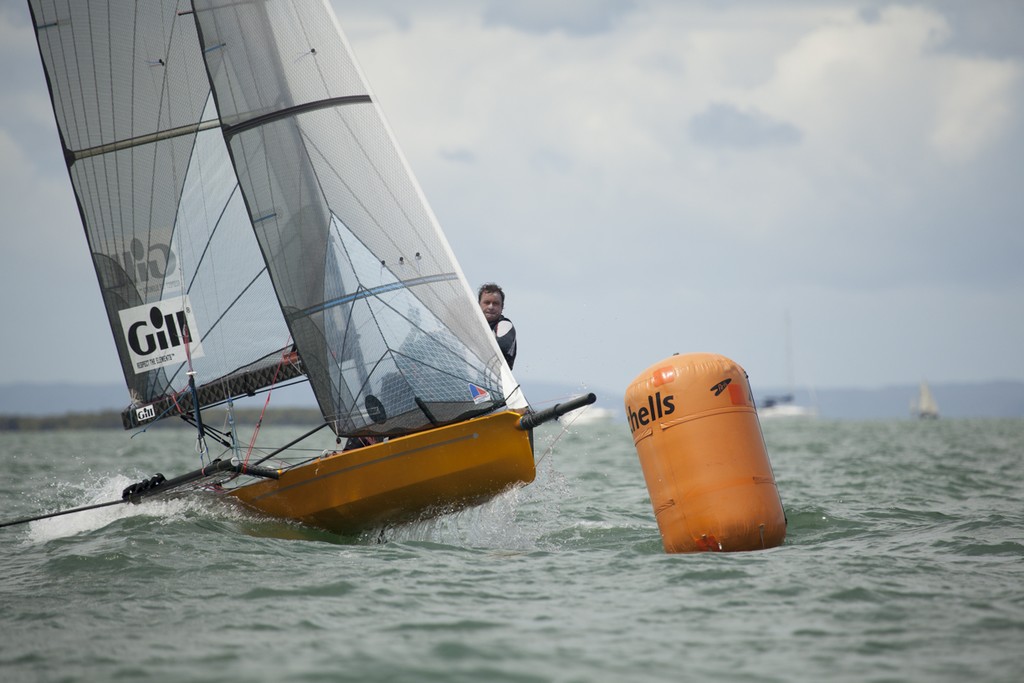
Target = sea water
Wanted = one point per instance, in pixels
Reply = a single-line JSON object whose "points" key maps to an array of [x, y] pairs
{"points": [[903, 561]]}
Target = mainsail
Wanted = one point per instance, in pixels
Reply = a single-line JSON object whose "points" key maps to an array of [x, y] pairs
{"points": [[926, 406], [252, 220]]}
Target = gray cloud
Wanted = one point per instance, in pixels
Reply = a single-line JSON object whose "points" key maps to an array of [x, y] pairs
{"points": [[881, 207], [579, 17], [986, 28], [460, 155], [724, 125]]}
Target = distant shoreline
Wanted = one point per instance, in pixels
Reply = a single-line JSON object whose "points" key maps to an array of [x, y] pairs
{"points": [[111, 419], [67, 406]]}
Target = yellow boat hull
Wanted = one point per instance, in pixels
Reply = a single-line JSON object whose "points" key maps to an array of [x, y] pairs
{"points": [[402, 479]]}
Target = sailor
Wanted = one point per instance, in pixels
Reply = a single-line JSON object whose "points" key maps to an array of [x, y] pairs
{"points": [[492, 303]]}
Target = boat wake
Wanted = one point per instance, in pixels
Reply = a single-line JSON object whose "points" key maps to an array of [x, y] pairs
{"points": [[516, 519], [103, 491]]}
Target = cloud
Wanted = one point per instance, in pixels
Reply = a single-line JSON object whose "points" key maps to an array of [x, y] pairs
{"points": [[579, 17], [974, 107], [652, 176], [460, 155], [884, 88], [989, 29], [724, 125]]}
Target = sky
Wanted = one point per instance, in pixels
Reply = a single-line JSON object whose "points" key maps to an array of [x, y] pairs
{"points": [[645, 178]]}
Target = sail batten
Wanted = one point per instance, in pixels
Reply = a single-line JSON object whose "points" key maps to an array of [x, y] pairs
{"points": [[230, 131], [147, 139]]}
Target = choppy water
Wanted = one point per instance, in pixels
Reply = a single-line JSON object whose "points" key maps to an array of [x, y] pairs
{"points": [[903, 562]]}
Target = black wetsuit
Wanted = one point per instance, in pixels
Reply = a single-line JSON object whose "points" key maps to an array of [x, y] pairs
{"points": [[506, 335]]}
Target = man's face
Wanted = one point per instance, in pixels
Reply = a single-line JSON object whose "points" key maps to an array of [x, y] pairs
{"points": [[491, 305]]}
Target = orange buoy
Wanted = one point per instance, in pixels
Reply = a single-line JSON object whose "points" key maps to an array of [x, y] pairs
{"points": [[696, 431]]}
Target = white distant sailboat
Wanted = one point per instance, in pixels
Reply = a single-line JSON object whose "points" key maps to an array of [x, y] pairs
{"points": [[925, 406], [783, 406]]}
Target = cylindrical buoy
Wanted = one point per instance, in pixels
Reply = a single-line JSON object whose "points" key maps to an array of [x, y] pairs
{"points": [[700, 445]]}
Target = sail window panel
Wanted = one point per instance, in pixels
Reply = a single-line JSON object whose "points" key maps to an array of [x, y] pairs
{"points": [[309, 63], [357, 350], [387, 347], [396, 316]]}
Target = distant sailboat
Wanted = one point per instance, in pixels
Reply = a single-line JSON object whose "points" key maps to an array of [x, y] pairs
{"points": [[925, 406], [783, 406]]}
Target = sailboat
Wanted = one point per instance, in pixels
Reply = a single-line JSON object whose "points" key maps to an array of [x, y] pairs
{"points": [[925, 407], [253, 223], [783, 405]]}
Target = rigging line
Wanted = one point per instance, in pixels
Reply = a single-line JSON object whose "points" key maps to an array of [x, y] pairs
{"points": [[126, 216], [101, 205], [25, 520], [290, 444], [368, 158], [366, 381], [392, 352], [174, 404], [350, 341], [201, 448], [259, 422], [305, 34], [216, 322], [156, 77], [551, 446], [310, 144], [453, 351], [209, 240], [441, 371]]}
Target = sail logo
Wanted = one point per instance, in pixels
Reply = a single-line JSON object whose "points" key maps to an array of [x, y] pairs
{"points": [[142, 264], [479, 394], [155, 334], [147, 267], [657, 407]]}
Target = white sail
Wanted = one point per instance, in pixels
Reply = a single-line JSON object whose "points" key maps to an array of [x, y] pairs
{"points": [[234, 171], [925, 406]]}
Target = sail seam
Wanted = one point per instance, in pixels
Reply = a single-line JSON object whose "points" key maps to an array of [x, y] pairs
{"points": [[231, 130]]}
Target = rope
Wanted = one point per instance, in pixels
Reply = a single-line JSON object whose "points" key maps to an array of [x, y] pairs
{"points": [[62, 512], [551, 446], [259, 422]]}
